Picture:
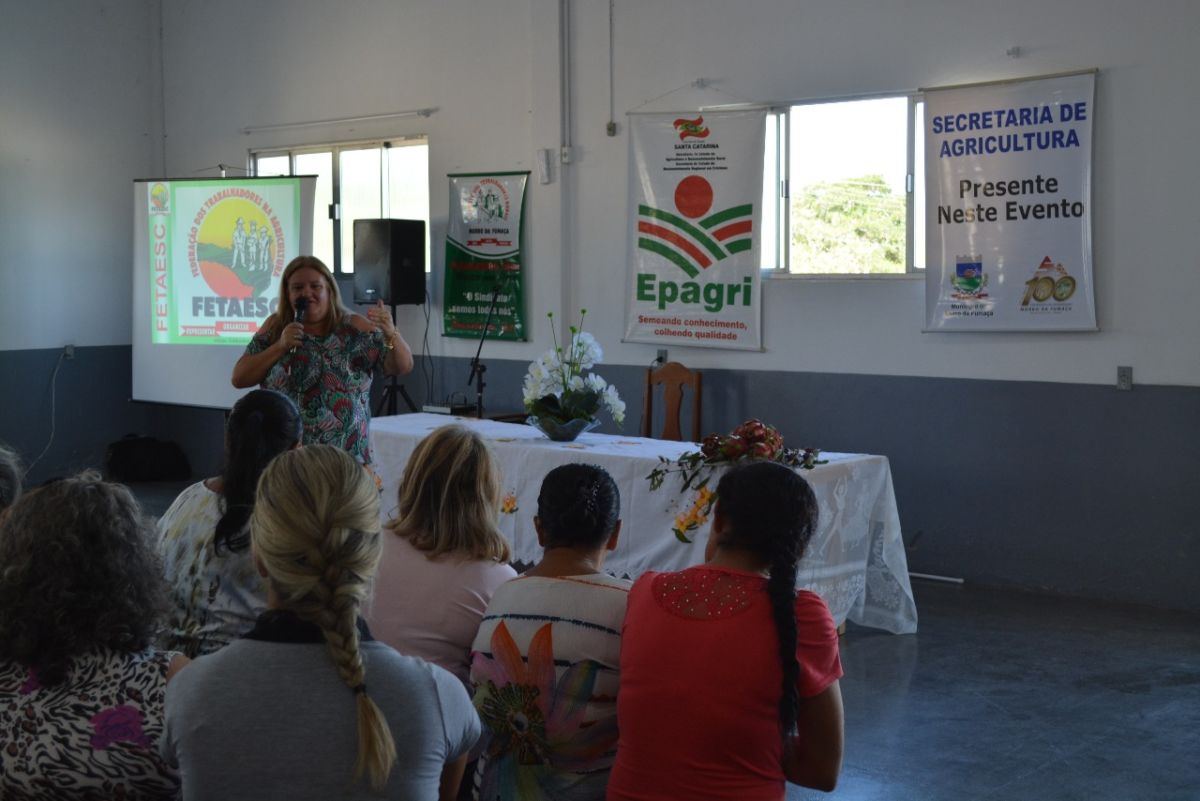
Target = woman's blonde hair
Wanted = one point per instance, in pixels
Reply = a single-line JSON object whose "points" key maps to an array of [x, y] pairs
{"points": [[315, 528], [285, 314], [450, 497]]}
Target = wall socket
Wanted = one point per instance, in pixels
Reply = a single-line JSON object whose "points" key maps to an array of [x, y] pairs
{"points": [[69, 352], [1125, 378], [662, 356]]}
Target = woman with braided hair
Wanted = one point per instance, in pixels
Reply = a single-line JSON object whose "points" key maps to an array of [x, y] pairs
{"points": [[729, 676], [286, 712]]}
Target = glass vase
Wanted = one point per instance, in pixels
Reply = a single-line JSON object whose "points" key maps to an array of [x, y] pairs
{"points": [[562, 431]]}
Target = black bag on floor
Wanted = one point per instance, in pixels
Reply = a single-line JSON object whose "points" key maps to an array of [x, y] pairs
{"points": [[138, 458]]}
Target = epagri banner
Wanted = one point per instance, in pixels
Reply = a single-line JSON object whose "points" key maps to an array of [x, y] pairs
{"points": [[1008, 182], [483, 256], [216, 249], [695, 195]]}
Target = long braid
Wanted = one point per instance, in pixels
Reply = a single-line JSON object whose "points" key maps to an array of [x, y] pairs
{"points": [[340, 594], [773, 513], [323, 575], [781, 589]]}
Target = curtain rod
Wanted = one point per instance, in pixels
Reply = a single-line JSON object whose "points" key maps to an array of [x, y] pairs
{"points": [[418, 112]]}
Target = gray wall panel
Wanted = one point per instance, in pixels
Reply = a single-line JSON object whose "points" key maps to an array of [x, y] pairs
{"points": [[1069, 488]]}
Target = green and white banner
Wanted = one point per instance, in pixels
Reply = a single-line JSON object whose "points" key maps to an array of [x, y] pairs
{"points": [[483, 256], [695, 195], [215, 250], [1008, 214]]}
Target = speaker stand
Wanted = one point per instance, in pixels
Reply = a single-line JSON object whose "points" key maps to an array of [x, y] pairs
{"points": [[393, 389], [389, 400]]}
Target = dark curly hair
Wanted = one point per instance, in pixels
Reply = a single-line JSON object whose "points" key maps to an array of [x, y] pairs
{"points": [[772, 512], [578, 505], [78, 571]]}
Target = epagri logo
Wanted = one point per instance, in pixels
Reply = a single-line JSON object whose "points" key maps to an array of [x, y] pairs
{"points": [[693, 238], [695, 128]]}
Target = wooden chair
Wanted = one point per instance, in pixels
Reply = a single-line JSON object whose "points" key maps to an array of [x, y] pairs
{"points": [[673, 377]]}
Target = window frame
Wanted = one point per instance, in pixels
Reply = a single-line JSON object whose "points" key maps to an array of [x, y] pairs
{"points": [[335, 149], [781, 113]]}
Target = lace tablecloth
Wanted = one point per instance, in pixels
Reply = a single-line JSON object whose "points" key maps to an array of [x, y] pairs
{"points": [[855, 561]]}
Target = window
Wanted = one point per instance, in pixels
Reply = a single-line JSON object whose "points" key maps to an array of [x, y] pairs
{"points": [[845, 203], [358, 180]]}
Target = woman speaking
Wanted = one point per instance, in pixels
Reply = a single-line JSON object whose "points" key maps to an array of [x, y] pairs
{"points": [[316, 351]]}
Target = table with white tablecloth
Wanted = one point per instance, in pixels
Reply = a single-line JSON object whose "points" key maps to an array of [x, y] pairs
{"points": [[855, 560]]}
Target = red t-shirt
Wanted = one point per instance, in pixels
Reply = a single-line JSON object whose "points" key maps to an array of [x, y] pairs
{"points": [[698, 707]]}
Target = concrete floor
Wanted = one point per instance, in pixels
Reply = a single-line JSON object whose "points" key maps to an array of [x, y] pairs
{"points": [[1008, 695]]}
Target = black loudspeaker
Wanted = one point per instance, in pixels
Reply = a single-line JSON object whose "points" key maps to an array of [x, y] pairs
{"points": [[389, 261]]}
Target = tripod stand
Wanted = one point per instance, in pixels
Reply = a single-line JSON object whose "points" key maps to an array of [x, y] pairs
{"points": [[389, 398], [393, 390]]}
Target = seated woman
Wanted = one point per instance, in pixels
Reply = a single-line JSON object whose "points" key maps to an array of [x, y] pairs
{"points": [[446, 555], [729, 677], [81, 690], [562, 618], [204, 538], [286, 711]]}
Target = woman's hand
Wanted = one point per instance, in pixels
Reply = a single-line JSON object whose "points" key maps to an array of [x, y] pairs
{"points": [[252, 368], [398, 358], [291, 336], [381, 316]]}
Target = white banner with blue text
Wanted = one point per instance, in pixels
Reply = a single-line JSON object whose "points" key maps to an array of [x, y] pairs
{"points": [[1008, 218]]}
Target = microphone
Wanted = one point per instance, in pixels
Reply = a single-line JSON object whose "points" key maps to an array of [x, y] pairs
{"points": [[301, 307]]}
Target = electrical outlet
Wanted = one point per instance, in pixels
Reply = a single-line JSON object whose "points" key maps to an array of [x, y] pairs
{"points": [[1125, 378], [69, 352], [662, 356]]}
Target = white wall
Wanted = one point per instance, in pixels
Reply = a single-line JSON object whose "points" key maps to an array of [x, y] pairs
{"points": [[777, 50], [79, 110], [489, 68], [78, 122]]}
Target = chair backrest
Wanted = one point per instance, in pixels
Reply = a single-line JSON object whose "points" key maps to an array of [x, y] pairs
{"points": [[673, 377]]}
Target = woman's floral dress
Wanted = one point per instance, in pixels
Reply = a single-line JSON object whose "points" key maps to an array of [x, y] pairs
{"points": [[329, 378]]}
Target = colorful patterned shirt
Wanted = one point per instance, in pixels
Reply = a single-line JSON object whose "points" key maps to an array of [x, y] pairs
{"points": [[216, 597], [545, 668], [329, 378], [93, 735]]}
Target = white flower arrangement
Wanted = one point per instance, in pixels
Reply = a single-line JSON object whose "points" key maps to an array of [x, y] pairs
{"points": [[556, 387]]}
